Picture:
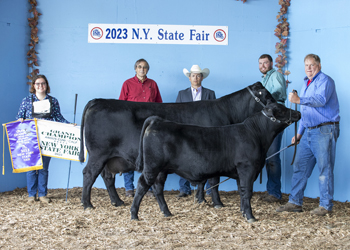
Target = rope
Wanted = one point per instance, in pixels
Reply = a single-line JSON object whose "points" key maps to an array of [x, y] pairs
{"points": [[295, 130], [3, 149]]}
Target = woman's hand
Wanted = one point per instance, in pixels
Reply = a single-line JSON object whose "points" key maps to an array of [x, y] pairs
{"points": [[20, 120]]}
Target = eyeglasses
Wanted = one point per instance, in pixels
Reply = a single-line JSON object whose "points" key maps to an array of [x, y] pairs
{"points": [[40, 83], [140, 67]]}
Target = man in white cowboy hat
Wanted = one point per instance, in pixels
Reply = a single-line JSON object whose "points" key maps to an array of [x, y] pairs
{"points": [[194, 93]]}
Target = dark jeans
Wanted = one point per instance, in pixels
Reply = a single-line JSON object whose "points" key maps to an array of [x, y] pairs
{"points": [[37, 179]]}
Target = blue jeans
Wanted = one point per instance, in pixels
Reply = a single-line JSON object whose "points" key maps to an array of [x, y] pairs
{"points": [[186, 188], [316, 146], [273, 168], [37, 179], [129, 180]]}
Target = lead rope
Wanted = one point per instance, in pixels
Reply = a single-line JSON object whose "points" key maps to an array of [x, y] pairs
{"points": [[295, 129]]}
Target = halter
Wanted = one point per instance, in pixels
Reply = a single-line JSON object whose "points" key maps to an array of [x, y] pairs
{"points": [[274, 119], [257, 99]]}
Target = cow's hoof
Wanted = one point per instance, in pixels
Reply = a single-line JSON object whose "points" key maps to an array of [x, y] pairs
{"points": [[168, 215], [118, 204], [218, 206], [134, 216], [252, 220], [89, 208], [201, 201]]}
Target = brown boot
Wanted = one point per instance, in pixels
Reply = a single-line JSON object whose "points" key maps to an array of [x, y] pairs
{"points": [[270, 198], [182, 194], [320, 211], [31, 199], [149, 194], [44, 199], [290, 207], [129, 193]]}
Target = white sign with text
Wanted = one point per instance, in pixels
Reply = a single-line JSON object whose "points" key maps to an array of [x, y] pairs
{"points": [[60, 140], [158, 34]]}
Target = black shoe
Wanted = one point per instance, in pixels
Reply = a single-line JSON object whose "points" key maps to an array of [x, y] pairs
{"points": [[182, 194]]}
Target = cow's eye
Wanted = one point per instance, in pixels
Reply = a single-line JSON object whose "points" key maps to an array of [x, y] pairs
{"points": [[260, 93]]}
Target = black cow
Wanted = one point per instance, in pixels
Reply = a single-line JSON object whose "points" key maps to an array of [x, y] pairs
{"points": [[198, 153], [113, 127]]}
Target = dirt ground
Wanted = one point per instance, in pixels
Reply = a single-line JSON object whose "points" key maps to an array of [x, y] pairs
{"points": [[65, 225]]}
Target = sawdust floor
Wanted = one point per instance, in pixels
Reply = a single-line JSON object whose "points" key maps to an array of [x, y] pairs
{"points": [[65, 225]]}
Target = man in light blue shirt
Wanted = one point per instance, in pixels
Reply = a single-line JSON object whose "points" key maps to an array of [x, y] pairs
{"points": [[275, 83], [318, 133]]}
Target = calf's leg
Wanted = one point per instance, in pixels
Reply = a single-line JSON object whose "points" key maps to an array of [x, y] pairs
{"points": [[200, 192], [240, 194], [246, 193], [141, 190], [158, 190], [109, 181], [215, 192], [92, 169]]}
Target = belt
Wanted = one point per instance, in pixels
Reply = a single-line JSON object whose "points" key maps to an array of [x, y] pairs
{"points": [[324, 124]]}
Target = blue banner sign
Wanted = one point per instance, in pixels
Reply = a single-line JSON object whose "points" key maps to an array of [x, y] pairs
{"points": [[24, 146], [158, 34]]}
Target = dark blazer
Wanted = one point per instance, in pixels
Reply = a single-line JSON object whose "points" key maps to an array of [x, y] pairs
{"points": [[186, 95]]}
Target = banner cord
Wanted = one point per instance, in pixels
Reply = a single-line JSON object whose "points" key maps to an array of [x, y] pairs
{"points": [[3, 150]]}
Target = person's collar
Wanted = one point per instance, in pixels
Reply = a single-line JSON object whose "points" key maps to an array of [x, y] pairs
{"points": [[306, 78], [269, 72], [138, 80], [198, 89], [34, 95]]}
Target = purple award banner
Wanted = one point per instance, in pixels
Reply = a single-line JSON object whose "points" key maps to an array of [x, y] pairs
{"points": [[24, 146]]}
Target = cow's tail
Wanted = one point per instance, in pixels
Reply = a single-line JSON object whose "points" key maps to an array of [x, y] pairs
{"points": [[81, 154], [139, 160]]}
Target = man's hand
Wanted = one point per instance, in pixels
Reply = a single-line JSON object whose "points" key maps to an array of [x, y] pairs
{"points": [[298, 138], [20, 120], [294, 98]]}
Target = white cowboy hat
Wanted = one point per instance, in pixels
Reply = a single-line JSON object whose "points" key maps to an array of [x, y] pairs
{"points": [[196, 69]]}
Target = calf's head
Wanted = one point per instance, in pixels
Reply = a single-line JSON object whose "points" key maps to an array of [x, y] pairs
{"points": [[280, 114], [260, 93]]}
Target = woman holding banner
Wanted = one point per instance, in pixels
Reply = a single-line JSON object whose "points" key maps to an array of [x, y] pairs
{"points": [[42, 106]]}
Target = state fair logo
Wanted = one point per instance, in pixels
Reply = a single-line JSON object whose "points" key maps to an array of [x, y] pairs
{"points": [[96, 33], [219, 35]]}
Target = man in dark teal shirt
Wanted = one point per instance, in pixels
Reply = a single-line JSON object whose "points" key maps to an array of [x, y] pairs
{"points": [[275, 83]]}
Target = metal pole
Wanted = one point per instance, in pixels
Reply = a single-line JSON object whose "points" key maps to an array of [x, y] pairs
{"points": [[280, 151], [70, 162]]}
